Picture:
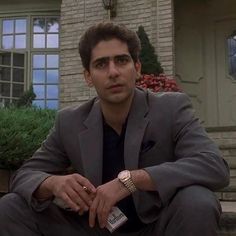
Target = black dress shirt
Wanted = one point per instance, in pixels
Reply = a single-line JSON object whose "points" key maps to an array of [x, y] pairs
{"points": [[113, 163]]}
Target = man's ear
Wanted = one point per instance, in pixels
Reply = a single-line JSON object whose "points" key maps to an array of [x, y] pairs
{"points": [[138, 66], [88, 79]]}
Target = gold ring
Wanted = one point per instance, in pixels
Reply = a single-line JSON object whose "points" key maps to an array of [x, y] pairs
{"points": [[86, 190]]}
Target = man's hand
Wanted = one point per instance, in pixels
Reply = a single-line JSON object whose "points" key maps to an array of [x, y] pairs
{"points": [[107, 195], [75, 190]]}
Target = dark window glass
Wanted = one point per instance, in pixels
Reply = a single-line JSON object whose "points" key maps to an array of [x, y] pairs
{"points": [[18, 59], [5, 58], [5, 89], [18, 75], [231, 41], [5, 73], [18, 90]]}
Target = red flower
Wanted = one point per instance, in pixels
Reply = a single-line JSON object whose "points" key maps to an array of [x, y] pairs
{"points": [[158, 83]]}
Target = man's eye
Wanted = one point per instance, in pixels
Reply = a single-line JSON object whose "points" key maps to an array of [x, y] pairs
{"points": [[122, 60], [100, 64]]}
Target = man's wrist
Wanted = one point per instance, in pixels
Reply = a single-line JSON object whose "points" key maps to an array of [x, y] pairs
{"points": [[44, 191], [126, 179]]}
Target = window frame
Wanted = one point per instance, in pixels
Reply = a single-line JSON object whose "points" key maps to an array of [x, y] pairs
{"points": [[29, 50]]}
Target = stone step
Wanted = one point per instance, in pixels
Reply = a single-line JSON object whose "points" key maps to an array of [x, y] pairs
{"points": [[228, 219]]}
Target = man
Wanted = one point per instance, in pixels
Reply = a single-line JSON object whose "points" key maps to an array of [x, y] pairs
{"points": [[144, 153]]}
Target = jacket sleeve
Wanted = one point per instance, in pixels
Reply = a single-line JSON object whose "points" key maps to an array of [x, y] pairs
{"points": [[49, 159], [198, 160]]}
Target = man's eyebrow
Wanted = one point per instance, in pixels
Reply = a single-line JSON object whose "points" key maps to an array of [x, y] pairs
{"points": [[107, 58]]}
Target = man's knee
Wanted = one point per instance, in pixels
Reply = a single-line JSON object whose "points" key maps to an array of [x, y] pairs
{"points": [[10, 204], [197, 201]]}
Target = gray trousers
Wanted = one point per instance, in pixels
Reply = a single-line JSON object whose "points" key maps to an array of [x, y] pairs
{"points": [[193, 211]]}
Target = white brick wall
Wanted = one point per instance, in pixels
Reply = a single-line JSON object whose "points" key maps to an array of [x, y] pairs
{"points": [[77, 15]]}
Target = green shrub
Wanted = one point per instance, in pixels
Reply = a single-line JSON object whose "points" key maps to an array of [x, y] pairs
{"points": [[22, 131], [148, 58]]}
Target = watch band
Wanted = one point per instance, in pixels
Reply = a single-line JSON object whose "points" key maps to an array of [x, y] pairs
{"points": [[125, 178], [130, 185]]}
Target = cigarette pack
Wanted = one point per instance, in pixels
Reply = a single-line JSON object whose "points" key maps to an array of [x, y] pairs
{"points": [[116, 218]]}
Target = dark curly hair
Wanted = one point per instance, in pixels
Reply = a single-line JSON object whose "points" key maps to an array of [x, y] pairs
{"points": [[106, 31]]}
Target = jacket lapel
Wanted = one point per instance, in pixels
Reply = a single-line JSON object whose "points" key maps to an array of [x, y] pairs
{"points": [[137, 123], [91, 145]]}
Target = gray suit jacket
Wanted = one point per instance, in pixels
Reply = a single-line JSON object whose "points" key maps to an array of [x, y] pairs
{"points": [[162, 136]]}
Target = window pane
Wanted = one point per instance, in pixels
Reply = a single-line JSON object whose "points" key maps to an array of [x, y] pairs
{"points": [[52, 25], [52, 104], [52, 76], [18, 75], [38, 61], [18, 59], [7, 42], [232, 55], [52, 61], [5, 74], [18, 90], [39, 103], [20, 26], [52, 41], [39, 41], [5, 90], [8, 26], [52, 91], [38, 76], [4, 101], [20, 41], [5, 58], [39, 91], [39, 25]]}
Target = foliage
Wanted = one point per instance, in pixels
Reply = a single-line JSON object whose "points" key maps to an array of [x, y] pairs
{"points": [[148, 58], [159, 83], [27, 98], [21, 132]]}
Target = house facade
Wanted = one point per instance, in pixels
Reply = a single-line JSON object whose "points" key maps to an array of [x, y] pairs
{"points": [[195, 41]]}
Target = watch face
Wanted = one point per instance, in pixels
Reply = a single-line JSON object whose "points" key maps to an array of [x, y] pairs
{"points": [[124, 175]]}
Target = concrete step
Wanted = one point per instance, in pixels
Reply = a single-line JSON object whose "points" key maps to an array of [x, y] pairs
{"points": [[228, 219]]}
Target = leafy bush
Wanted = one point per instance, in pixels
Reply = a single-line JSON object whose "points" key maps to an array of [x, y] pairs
{"points": [[148, 58], [26, 98], [21, 132], [160, 83]]}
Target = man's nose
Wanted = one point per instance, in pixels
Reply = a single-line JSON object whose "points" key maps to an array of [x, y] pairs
{"points": [[112, 69]]}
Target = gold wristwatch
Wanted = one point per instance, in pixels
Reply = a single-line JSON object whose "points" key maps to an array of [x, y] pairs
{"points": [[125, 178]]}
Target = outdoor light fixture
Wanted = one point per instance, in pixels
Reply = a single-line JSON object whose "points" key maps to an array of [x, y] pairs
{"points": [[110, 6]]}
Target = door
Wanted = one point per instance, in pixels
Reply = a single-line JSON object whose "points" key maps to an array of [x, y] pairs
{"points": [[226, 71]]}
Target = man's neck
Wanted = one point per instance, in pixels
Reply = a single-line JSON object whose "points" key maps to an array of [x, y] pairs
{"points": [[115, 114]]}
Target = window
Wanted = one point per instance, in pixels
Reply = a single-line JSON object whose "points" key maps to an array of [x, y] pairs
{"points": [[232, 54], [30, 55], [14, 33], [12, 76], [45, 80]]}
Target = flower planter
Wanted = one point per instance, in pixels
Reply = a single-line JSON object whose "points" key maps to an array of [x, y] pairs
{"points": [[4, 180]]}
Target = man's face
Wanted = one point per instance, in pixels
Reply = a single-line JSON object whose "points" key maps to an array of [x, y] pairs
{"points": [[112, 72]]}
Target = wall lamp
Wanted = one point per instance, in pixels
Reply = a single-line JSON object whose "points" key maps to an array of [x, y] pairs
{"points": [[110, 6]]}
